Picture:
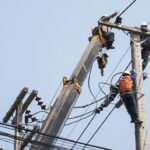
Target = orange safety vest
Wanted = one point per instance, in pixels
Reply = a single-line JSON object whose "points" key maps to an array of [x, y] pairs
{"points": [[125, 85]]}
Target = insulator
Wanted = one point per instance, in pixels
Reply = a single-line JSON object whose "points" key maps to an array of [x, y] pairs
{"points": [[43, 107], [33, 119], [40, 102], [28, 111], [37, 98]]}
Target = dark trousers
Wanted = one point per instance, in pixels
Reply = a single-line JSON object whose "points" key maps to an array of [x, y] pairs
{"points": [[110, 38], [130, 105]]}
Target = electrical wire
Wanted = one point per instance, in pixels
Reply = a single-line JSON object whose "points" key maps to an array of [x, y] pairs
{"points": [[102, 89], [89, 103], [55, 94], [127, 8], [81, 115], [48, 136], [99, 126], [52, 98], [79, 119], [84, 130], [90, 86], [7, 140]]}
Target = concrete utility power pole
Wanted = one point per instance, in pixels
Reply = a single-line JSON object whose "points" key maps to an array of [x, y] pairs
{"points": [[68, 96], [19, 108], [140, 130]]}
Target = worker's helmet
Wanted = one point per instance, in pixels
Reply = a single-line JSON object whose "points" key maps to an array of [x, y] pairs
{"points": [[126, 73], [105, 15], [144, 24]]}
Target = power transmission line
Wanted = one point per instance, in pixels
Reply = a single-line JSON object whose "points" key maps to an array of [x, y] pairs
{"points": [[47, 136], [100, 126]]}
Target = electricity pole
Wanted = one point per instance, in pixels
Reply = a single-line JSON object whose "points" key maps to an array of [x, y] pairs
{"points": [[18, 117], [68, 96], [141, 132]]}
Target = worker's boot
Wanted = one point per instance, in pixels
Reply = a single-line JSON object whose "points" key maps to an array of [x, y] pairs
{"points": [[110, 46]]}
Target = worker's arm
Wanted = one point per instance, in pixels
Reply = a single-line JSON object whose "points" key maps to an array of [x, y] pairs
{"points": [[109, 17], [133, 74]]}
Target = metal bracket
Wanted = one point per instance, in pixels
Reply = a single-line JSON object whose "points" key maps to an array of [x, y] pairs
{"points": [[73, 82]]}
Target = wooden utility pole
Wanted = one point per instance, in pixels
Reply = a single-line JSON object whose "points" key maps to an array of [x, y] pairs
{"points": [[68, 96], [140, 130]]}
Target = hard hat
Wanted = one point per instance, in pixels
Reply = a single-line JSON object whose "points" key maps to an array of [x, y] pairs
{"points": [[105, 15], [127, 72], [144, 24]]}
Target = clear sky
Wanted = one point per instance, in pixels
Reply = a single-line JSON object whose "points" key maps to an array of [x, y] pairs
{"points": [[42, 40]]}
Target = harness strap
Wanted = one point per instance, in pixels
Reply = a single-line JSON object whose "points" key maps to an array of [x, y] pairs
{"points": [[102, 38]]}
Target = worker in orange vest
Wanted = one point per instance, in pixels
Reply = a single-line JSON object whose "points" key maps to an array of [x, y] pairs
{"points": [[126, 93]]}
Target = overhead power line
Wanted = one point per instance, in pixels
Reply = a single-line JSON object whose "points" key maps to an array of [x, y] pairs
{"points": [[47, 136], [127, 8], [99, 126]]}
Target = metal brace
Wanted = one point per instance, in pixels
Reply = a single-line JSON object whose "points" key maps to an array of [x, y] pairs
{"points": [[73, 82]]}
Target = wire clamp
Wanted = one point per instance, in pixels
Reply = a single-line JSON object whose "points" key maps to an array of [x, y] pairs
{"points": [[73, 82]]}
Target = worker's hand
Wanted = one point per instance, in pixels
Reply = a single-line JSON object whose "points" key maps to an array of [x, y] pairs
{"points": [[118, 20], [114, 14], [132, 71]]}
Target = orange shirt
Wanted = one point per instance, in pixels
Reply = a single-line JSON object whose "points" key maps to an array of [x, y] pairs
{"points": [[125, 85]]}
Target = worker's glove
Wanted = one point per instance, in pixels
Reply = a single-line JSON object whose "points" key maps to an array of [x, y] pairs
{"points": [[114, 14], [118, 20]]}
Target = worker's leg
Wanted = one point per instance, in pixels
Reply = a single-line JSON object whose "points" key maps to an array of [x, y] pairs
{"points": [[127, 104], [145, 57], [133, 107], [110, 39]]}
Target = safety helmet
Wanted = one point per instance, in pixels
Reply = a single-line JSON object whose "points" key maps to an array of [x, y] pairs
{"points": [[127, 72], [105, 15], [144, 24]]}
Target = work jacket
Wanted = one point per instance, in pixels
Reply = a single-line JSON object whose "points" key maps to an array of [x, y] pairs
{"points": [[125, 84]]}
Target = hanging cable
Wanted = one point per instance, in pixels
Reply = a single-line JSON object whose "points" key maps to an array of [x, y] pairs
{"points": [[55, 93], [84, 130], [48, 136], [81, 115], [99, 127], [79, 119], [90, 86], [89, 104]]}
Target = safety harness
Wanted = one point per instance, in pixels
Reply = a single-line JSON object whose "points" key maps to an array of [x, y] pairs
{"points": [[98, 31]]}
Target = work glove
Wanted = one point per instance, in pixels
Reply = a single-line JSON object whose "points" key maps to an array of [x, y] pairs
{"points": [[118, 20]]}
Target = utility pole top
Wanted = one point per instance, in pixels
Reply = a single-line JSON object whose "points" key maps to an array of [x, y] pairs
{"points": [[125, 28]]}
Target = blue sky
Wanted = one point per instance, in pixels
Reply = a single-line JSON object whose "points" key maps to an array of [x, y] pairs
{"points": [[42, 40]]}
